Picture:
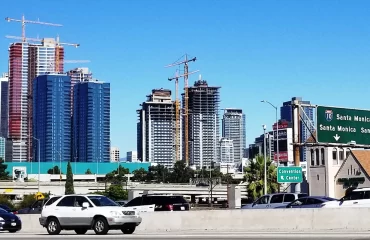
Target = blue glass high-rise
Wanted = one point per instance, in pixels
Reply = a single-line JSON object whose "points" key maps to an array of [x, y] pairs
{"points": [[52, 117], [91, 121]]}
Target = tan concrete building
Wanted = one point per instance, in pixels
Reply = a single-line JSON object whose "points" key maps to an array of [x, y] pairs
{"points": [[354, 172]]}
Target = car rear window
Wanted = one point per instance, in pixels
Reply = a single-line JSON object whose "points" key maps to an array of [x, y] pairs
{"points": [[170, 199], [330, 199]]}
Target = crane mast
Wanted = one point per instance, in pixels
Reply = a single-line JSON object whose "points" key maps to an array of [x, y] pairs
{"points": [[178, 113], [186, 107]]}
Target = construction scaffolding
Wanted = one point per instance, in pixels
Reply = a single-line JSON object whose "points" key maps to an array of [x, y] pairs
{"points": [[203, 123], [156, 122]]}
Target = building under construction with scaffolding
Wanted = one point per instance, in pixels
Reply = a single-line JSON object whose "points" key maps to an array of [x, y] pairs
{"points": [[156, 129], [204, 124]]}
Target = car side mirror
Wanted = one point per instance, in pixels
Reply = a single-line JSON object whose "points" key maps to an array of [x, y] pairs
{"points": [[85, 205]]}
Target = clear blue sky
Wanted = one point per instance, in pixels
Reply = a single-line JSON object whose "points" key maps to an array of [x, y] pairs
{"points": [[254, 50]]}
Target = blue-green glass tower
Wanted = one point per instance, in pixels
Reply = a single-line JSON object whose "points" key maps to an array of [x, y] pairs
{"points": [[52, 118], [91, 121]]}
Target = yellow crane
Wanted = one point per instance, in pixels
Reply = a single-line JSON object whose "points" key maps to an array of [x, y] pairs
{"points": [[178, 113], [186, 108], [24, 21]]}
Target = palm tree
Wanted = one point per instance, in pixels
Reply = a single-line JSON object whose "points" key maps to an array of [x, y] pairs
{"points": [[255, 177]]}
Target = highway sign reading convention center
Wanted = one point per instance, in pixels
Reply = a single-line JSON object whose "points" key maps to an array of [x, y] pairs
{"points": [[289, 175], [343, 125]]}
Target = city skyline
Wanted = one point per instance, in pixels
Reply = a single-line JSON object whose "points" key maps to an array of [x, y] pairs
{"points": [[243, 67]]}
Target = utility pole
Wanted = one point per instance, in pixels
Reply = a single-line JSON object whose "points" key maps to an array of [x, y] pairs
{"points": [[264, 155], [296, 138]]}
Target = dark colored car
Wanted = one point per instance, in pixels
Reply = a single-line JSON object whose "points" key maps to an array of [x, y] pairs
{"points": [[161, 202], [9, 222], [8, 209], [310, 202], [35, 208]]}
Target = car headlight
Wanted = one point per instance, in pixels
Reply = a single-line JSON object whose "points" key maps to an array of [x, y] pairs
{"points": [[2, 219], [115, 213]]}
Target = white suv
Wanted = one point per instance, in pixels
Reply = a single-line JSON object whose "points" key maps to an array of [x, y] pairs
{"points": [[84, 212], [354, 198]]}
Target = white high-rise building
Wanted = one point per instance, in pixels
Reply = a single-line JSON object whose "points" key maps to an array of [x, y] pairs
{"points": [[155, 129], [226, 151], [114, 154], [233, 128], [131, 156]]}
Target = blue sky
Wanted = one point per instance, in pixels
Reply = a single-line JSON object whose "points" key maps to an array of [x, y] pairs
{"points": [[254, 50]]}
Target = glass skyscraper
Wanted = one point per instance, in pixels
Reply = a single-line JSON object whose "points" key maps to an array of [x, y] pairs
{"points": [[52, 117], [91, 121]]}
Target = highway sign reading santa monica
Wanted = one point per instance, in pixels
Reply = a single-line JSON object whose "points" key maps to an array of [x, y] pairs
{"points": [[343, 125]]}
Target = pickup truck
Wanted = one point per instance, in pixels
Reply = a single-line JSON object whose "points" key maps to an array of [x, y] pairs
{"points": [[35, 208]]}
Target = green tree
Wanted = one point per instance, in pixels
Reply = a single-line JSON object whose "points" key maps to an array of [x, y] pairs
{"points": [[69, 188], [158, 174], [139, 175], [88, 171], [4, 175], [5, 200], [181, 173], [255, 177], [27, 201], [117, 176], [116, 192], [54, 170]]}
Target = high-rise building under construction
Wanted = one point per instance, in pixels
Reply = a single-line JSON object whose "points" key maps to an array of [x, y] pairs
{"points": [[156, 129], [26, 62], [203, 123]]}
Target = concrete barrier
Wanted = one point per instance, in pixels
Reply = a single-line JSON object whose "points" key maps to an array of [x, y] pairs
{"points": [[351, 219]]}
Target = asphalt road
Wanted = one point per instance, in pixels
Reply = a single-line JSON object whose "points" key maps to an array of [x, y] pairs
{"points": [[195, 235]]}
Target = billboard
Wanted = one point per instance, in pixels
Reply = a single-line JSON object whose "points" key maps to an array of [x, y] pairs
{"points": [[19, 173]]}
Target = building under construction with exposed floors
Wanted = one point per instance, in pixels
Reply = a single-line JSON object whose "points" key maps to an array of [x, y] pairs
{"points": [[156, 129], [204, 124]]}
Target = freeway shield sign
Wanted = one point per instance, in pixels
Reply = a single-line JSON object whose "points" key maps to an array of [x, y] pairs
{"points": [[343, 125], [289, 175]]}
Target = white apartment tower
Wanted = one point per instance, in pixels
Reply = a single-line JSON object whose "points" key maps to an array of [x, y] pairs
{"points": [[156, 129], [114, 154], [226, 151], [233, 128]]}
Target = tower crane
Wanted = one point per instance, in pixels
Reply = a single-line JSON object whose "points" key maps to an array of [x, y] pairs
{"points": [[177, 112], [186, 108], [24, 21], [57, 50]]}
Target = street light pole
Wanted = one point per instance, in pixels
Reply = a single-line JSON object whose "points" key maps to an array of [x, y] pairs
{"points": [[38, 156], [265, 167], [277, 131]]}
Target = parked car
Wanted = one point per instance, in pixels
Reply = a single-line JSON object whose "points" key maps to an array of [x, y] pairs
{"points": [[354, 197], [35, 208], [8, 209], [310, 202], [274, 200], [9, 221], [159, 203], [84, 212]]}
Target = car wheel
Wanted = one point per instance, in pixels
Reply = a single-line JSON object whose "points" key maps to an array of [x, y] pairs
{"points": [[53, 226], [101, 226], [13, 231], [80, 231], [128, 230]]}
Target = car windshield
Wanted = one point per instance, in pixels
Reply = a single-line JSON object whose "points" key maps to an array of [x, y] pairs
{"points": [[3, 211], [101, 201]]}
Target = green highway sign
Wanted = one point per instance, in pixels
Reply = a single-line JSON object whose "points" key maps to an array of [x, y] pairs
{"points": [[289, 175], [342, 125]]}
